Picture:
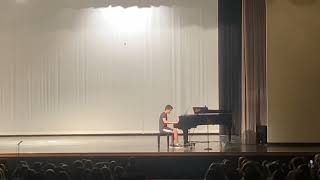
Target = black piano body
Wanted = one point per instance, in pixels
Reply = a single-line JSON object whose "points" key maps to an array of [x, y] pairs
{"points": [[211, 117]]}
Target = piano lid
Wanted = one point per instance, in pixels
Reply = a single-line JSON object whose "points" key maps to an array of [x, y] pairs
{"points": [[205, 110]]}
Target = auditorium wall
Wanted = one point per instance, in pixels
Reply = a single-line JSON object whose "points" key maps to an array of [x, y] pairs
{"points": [[293, 71]]}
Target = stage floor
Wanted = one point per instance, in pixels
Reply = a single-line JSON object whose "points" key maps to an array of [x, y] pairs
{"points": [[137, 145]]}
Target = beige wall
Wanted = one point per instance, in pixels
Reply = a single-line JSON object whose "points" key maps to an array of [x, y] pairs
{"points": [[293, 70]]}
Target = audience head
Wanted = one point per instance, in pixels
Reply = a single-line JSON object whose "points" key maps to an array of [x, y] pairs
{"points": [[63, 175], [241, 162], [272, 167], [107, 173], [50, 174], [216, 171], [252, 171], [278, 175], [118, 172], [131, 163], [97, 174], [49, 166], [37, 166], [302, 173], [226, 162], [112, 165], [33, 175], [87, 164], [317, 160], [296, 162], [77, 164], [87, 174]]}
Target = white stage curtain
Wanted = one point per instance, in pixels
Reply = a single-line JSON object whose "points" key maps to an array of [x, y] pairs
{"points": [[86, 66]]}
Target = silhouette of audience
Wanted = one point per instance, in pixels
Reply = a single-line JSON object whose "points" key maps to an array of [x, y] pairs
{"points": [[296, 169], [79, 170]]}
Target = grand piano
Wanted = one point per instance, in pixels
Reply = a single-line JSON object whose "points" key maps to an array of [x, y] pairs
{"points": [[204, 116]]}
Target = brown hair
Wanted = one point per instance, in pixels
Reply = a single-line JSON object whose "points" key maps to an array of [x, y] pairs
{"points": [[168, 107]]}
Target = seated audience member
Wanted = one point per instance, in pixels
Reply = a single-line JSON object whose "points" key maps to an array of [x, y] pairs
{"points": [[278, 175], [37, 166], [76, 173], [132, 171], [63, 175], [302, 173], [252, 171], [107, 173], [296, 162], [285, 168], [118, 172], [87, 164], [112, 165], [230, 171], [97, 174], [4, 171], [272, 167], [265, 168], [315, 167], [31, 175], [87, 174], [241, 162], [227, 170], [215, 171], [2, 174], [131, 164], [293, 165], [50, 174], [47, 166], [77, 164]]}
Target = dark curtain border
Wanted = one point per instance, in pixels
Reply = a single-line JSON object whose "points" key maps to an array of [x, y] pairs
{"points": [[230, 55]]}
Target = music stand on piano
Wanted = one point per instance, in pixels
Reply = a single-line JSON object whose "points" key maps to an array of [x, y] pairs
{"points": [[199, 110]]}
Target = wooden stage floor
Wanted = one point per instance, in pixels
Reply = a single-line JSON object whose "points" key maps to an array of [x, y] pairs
{"points": [[138, 146]]}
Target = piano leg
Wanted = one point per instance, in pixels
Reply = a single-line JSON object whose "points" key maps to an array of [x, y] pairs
{"points": [[229, 133], [185, 136]]}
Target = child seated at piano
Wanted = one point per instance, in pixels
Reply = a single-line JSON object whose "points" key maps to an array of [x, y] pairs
{"points": [[163, 126]]}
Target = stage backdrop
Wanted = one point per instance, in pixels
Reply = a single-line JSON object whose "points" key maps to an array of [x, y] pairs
{"points": [[98, 66]]}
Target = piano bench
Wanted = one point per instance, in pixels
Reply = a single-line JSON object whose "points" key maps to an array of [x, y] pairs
{"points": [[168, 139]]}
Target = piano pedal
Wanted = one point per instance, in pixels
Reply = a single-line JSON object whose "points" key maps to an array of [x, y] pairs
{"points": [[191, 145]]}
